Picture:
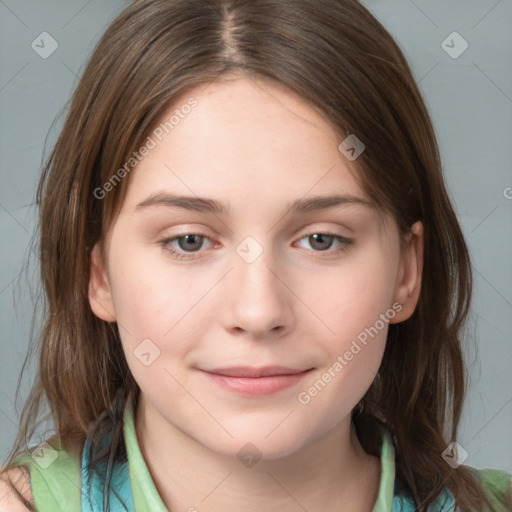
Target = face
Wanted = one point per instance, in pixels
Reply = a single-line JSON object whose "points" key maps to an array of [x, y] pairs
{"points": [[267, 280]]}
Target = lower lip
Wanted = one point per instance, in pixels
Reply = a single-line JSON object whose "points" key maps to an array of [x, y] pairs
{"points": [[256, 385]]}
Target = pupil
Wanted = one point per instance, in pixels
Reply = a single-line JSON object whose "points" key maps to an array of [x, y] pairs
{"points": [[190, 244], [320, 238]]}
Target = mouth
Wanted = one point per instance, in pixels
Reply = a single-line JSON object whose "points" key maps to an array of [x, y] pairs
{"points": [[256, 381], [253, 372]]}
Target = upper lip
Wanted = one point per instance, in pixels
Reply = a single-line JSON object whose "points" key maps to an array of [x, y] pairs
{"points": [[249, 371]]}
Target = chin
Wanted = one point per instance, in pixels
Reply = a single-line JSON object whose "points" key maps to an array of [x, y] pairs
{"points": [[250, 446]]}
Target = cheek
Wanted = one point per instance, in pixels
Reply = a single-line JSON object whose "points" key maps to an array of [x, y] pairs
{"points": [[354, 304], [147, 301], [356, 308], [154, 318], [352, 296], [156, 301]]}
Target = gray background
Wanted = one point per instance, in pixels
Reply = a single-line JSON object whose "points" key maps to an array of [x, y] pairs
{"points": [[469, 98]]}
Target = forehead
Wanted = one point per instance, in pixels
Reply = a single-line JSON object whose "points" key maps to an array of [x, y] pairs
{"points": [[245, 140]]}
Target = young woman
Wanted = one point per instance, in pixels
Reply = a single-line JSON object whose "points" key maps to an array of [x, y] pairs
{"points": [[255, 279]]}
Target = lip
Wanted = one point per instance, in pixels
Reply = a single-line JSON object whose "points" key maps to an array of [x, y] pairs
{"points": [[250, 371], [256, 381]]}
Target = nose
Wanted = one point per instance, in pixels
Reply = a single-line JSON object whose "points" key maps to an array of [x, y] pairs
{"points": [[258, 301]]}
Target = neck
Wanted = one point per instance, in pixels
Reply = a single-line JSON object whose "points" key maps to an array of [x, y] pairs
{"points": [[332, 473]]}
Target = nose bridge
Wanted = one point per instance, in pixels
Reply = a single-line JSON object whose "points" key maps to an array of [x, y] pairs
{"points": [[257, 299], [252, 267]]}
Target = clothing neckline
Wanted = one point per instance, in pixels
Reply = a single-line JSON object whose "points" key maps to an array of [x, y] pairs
{"points": [[146, 496]]}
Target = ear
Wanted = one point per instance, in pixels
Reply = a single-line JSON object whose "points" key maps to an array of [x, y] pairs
{"points": [[408, 284], [100, 296]]}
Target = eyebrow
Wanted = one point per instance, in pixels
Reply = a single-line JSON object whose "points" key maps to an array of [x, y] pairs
{"points": [[201, 204]]}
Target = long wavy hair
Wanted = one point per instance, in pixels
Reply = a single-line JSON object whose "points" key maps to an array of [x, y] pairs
{"points": [[339, 58]]}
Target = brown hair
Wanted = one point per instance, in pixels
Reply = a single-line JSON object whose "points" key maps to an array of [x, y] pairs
{"points": [[340, 59]]}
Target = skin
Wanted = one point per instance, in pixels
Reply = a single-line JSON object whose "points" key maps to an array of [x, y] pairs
{"points": [[256, 146]]}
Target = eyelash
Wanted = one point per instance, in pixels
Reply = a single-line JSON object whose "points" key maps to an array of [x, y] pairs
{"points": [[165, 244]]}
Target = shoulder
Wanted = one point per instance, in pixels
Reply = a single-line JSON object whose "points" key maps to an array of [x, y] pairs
{"points": [[497, 485], [32, 476], [15, 490]]}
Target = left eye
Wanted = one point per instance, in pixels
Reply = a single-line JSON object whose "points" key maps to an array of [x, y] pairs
{"points": [[191, 243], [321, 242], [188, 243]]}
